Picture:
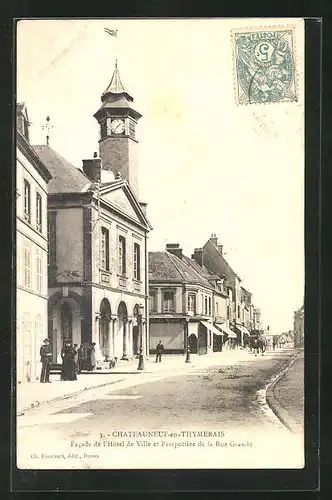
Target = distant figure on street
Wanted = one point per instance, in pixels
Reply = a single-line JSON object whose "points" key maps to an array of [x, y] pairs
{"points": [[68, 361], [112, 362], [45, 358], [159, 350]]}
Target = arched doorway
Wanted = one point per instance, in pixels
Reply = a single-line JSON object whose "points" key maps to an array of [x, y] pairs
{"points": [[104, 329], [65, 319], [192, 339], [136, 340], [122, 323]]}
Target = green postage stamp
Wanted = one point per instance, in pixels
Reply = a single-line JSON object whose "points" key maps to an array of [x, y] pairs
{"points": [[265, 69]]}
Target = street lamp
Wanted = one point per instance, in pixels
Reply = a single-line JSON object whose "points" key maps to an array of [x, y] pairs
{"points": [[140, 310], [187, 339]]}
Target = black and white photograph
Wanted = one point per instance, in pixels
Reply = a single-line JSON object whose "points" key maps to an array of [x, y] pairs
{"points": [[160, 244]]}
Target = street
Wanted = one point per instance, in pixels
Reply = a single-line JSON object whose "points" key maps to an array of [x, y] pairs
{"points": [[208, 417]]}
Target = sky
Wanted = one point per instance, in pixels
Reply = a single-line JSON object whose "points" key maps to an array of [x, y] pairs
{"points": [[206, 164]]}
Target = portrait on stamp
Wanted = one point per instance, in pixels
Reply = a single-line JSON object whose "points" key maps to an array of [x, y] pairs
{"points": [[159, 244], [265, 65]]}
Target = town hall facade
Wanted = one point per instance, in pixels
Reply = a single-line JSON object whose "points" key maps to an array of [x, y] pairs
{"points": [[98, 257]]}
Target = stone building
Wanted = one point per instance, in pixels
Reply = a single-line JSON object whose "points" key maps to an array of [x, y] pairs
{"points": [[257, 323], [222, 299], [211, 256], [98, 261], [199, 303], [247, 309], [32, 178], [299, 327], [181, 304]]}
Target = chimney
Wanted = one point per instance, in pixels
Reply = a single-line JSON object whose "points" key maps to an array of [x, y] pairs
{"points": [[220, 247], [198, 256], [174, 249], [214, 239], [143, 206], [92, 168]]}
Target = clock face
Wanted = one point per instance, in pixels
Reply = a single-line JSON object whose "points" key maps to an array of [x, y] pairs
{"points": [[117, 126]]}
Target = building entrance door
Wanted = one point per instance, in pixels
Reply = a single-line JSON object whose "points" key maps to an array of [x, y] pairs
{"points": [[193, 343]]}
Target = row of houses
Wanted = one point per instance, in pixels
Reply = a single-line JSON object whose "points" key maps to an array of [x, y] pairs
{"points": [[83, 270], [198, 301]]}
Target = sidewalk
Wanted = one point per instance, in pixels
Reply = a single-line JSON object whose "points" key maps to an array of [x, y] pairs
{"points": [[286, 395], [32, 394]]}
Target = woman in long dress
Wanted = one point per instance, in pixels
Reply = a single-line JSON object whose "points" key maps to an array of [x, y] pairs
{"points": [[68, 354]]}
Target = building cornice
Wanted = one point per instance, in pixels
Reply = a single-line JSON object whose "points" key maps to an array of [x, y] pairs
{"points": [[28, 151]]}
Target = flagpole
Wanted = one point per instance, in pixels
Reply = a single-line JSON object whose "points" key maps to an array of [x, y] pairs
{"points": [[114, 33]]}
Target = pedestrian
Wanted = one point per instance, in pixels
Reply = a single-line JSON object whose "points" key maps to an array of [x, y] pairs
{"points": [[80, 356], [45, 358], [68, 361], [93, 355], [159, 350], [76, 358]]}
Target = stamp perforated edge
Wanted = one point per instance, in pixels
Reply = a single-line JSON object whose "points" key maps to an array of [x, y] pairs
{"points": [[277, 27]]}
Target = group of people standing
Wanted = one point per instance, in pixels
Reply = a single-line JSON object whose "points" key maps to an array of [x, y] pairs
{"points": [[74, 360]]}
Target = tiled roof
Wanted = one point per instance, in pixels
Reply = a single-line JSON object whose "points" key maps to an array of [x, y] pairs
{"points": [[164, 266], [219, 259], [206, 275], [199, 269], [65, 177]]}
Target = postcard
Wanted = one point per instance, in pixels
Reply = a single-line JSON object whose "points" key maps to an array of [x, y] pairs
{"points": [[160, 244]]}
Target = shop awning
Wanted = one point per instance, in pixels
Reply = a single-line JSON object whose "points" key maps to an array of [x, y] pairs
{"points": [[211, 327], [230, 333], [242, 329]]}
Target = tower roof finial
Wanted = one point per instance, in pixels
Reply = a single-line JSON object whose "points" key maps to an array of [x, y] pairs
{"points": [[116, 86]]}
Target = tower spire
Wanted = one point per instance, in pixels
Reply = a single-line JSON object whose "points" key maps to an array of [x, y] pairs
{"points": [[116, 86]]}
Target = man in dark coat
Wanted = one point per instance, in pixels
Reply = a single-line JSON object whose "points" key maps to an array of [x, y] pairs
{"points": [[159, 350], [45, 358]]}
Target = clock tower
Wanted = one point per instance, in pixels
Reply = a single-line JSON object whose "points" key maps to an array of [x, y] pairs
{"points": [[117, 121]]}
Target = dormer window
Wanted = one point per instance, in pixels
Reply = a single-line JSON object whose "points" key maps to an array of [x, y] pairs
{"points": [[25, 128]]}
